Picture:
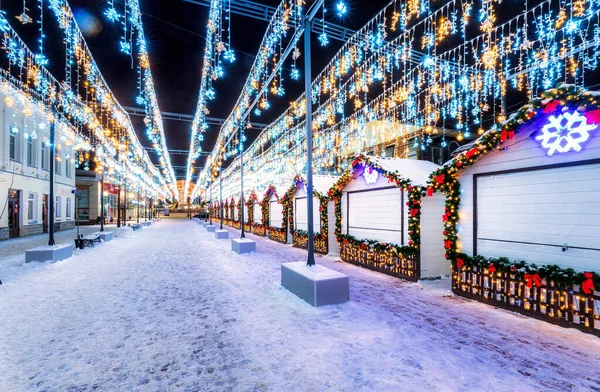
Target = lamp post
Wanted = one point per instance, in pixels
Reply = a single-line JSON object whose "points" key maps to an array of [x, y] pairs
{"points": [[221, 196], [51, 241], [102, 201], [125, 204], [309, 142], [210, 204], [243, 235], [119, 204], [138, 205]]}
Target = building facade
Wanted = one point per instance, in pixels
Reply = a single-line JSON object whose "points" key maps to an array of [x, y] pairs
{"points": [[25, 171]]}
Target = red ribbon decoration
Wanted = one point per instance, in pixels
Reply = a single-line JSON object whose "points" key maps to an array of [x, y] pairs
{"points": [[429, 192], [551, 106], [414, 212], [533, 278], [440, 178], [459, 263], [492, 268], [471, 152], [447, 244], [588, 284], [506, 135], [445, 218], [593, 116]]}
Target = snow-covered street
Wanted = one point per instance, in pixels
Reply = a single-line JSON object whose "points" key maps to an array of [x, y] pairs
{"points": [[171, 308]]}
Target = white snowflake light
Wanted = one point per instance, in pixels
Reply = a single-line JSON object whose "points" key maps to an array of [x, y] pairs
{"points": [[565, 133], [370, 175]]}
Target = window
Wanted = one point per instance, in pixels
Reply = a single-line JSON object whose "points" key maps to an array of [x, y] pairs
{"points": [[45, 152], [68, 168], [30, 151], [389, 151], [57, 162], [69, 207], [58, 206], [31, 207], [14, 143]]}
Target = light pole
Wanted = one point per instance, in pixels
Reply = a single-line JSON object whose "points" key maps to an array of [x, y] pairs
{"points": [[102, 201], [119, 203], [243, 235], [138, 205], [52, 158], [221, 196], [210, 204], [309, 142]]}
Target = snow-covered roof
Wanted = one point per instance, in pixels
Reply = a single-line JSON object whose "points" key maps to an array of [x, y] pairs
{"points": [[412, 169], [323, 184]]}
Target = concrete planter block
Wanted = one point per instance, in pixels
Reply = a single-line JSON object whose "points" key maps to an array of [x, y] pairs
{"points": [[146, 223], [243, 245], [221, 234], [317, 285], [105, 236], [49, 253], [123, 231], [211, 228]]}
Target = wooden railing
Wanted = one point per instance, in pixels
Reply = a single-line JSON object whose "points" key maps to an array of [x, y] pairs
{"points": [[279, 235], [399, 265], [565, 307], [301, 241], [259, 230]]}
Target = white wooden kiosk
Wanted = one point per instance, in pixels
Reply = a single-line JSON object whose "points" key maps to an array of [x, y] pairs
{"points": [[530, 193], [243, 245], [298, 219], [376, 227], [278, 225]]}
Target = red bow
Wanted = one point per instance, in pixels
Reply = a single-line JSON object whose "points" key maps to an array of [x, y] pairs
{"points": [[447, 244], [429, 192], [459, 263], [440, 178], [551, 106], [588, 285], [471, 152], [506, 135], [445, 218], [492, 268], [414, 212], [533, 278], [593, 116]]}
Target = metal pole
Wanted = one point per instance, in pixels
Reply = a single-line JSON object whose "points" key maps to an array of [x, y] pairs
{"points": [[119, 204], [242, 184], [138, 205], [210, 204], [221, 196], [125, 205], [309, 143], [52, 201], [102, 201]]}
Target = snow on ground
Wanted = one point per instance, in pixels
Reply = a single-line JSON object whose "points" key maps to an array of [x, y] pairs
{"points": [[12, 252], [171, 308]]}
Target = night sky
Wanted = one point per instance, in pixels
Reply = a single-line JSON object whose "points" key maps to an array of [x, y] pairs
{"points": [[175, 33]]}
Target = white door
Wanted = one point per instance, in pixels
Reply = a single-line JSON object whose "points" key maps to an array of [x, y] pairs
{"points": [[376, 215], [275, 218], [534, 215], [300, 214]]}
